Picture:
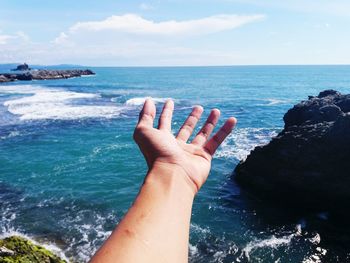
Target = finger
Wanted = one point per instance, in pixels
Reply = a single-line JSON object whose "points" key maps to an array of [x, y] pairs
{"points": [[147, 113], [166, 116], [188, 126], [220, 136], [207, 128]]}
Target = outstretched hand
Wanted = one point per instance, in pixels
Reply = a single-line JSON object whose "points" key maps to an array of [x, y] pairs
{"points": [[162, 149], [156, 227]]}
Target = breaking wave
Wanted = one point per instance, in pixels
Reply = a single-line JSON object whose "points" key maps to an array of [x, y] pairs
{"points": [[242, 141], [41, 103], [140, 100]]}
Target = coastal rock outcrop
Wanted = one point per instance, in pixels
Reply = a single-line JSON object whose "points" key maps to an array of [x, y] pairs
{"points": [[18, 249], [307, 164], [59, 74], [4, 78], [22, 67], [43, 74]]}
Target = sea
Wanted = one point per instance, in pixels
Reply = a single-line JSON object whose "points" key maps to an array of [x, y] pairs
{"points": [[69, 168]]}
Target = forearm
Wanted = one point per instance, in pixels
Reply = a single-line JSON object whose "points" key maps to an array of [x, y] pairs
{"points": [[156, 228]]}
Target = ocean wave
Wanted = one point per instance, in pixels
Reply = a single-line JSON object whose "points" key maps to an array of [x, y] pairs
{"points": [[316, 257], [242, 141], [10, 135], [272, 242], [82, 231], [44, 103], [90, 236], [273, 101], [7, 229], [208, 245], [141, 100]]}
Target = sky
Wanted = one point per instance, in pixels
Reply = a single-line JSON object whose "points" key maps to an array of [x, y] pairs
{"points": [[175, 32]]}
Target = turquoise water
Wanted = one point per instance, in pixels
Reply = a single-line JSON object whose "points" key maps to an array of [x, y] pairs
{"points": [[69, 169]]}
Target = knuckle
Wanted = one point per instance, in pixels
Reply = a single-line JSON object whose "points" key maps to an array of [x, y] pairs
{"points": [[205, 133], [164, 117], [188, 128], [191, 124], [216, 139], [210, 125], [139, 130], [135, 135]]}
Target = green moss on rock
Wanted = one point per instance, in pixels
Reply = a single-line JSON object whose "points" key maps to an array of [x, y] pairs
{"points": [[26, 252]]}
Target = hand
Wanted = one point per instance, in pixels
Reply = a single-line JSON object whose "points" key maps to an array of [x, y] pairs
{"points": [[161, 148]]}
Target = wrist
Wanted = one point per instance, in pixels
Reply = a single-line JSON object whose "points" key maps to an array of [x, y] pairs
{"points": [[172, 178]]}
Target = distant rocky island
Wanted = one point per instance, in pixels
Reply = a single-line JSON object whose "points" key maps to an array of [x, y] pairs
{"points": [[28, 74], [307, 164], [22, 67]]}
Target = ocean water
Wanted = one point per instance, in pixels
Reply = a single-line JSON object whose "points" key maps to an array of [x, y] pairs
{"points": [[69, 168]]}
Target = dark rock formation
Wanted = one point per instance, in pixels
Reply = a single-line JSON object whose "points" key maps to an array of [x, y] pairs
{"points": [[308, 163], [59, 74], [17, 249], [22, 67], [45, 74], [4, 78]]}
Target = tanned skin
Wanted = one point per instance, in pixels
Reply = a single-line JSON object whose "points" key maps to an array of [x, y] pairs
{"points": [[156, 227]]}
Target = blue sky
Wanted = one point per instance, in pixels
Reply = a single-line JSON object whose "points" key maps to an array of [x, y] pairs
{"points": [[175, 32]]}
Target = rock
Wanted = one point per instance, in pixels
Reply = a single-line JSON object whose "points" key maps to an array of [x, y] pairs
{"points": [[327, 93], [4, 251], [59, 74], [25, 76], [4, 79], [18, 249], [307, 164], [45, 75], [22, 67], [314, 110]]}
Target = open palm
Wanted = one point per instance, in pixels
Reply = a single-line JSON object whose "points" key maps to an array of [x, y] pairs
{"points": [[161, 147]]}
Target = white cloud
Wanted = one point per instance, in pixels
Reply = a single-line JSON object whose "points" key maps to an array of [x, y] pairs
{"points": [[4, 39], [130, 40], [135, 24], [61, 39]]}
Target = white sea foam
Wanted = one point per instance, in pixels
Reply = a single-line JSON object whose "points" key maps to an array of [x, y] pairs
{"points": [[89, 234], [219, 248], [20, 89], [193, 250], [141, 100], [45, 103], [242, 141], [10, 135], [273, 101], [272, 242], [200, 230], [316, 257]]}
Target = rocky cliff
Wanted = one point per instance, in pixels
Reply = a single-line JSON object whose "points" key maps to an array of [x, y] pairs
{"points": [[308, 163]]}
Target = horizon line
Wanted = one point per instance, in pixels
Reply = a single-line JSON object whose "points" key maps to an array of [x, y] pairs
{"points": [[175, 66]]}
